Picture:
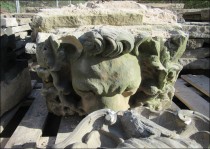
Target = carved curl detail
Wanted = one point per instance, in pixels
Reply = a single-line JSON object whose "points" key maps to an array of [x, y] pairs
{"points": [[107, 42]]}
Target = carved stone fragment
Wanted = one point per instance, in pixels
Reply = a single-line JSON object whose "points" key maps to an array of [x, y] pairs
{"points": [[158, 59], [103, 67], [133, 129], [98, 66]]}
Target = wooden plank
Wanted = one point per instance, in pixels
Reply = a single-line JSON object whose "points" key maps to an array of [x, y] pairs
{"points": [[5, 119], [67, 125], [29, 130], [190, 98], [46, 142], [3, 142], [200, 82]]}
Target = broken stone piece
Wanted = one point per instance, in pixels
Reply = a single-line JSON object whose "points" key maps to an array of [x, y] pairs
{"points": [[128, 13], [8, 22], [136, 129], [24, 21], [30, 48], [13, 30]]}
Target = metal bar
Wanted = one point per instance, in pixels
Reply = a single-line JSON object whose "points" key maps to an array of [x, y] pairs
{"points": [[57, 3], [17, 6]]}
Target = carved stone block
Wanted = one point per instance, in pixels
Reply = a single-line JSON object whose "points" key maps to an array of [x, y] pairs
{"points": [[102, 68]]}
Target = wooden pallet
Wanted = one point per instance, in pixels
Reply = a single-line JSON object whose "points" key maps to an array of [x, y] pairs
{"points": [[30, 132], [193, 91]]}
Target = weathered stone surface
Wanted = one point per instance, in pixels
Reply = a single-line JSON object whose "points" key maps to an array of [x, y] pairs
{"points": [[23, 21], [194, 63], [205, 15], [11, 92], [139, 128], [103, 54], [195, 43], [21, 35], [197, 53], [88, 76], [23, 15], [103, 65], [165, 5], [8, 22], [3, 32], [158, 60], [13, 30], [197, 30], [196, 14], [128, 13], [30, 48], [5, 15]]}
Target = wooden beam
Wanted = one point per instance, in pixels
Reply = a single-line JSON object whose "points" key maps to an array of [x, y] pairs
{"points": [[200, 82], [191, 99], [29, 130]]}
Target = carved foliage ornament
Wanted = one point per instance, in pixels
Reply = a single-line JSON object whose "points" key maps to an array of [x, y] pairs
{"points": [[103, 68], [134, 129]]}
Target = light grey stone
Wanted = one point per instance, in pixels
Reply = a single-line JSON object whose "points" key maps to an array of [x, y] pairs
{"points": [[23, 15], [21, 35], [23, 21], [8, 22], [197, 31], [30, 48], [3, 32], [166, 5], [195, 43], [128, 13], [194, 63], [197, 53], [13, 30], [139, 128]]}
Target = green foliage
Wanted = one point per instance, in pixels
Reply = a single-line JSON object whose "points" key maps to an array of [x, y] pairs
{"points": [[196, 3], [189, 4], [8, 6]]}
